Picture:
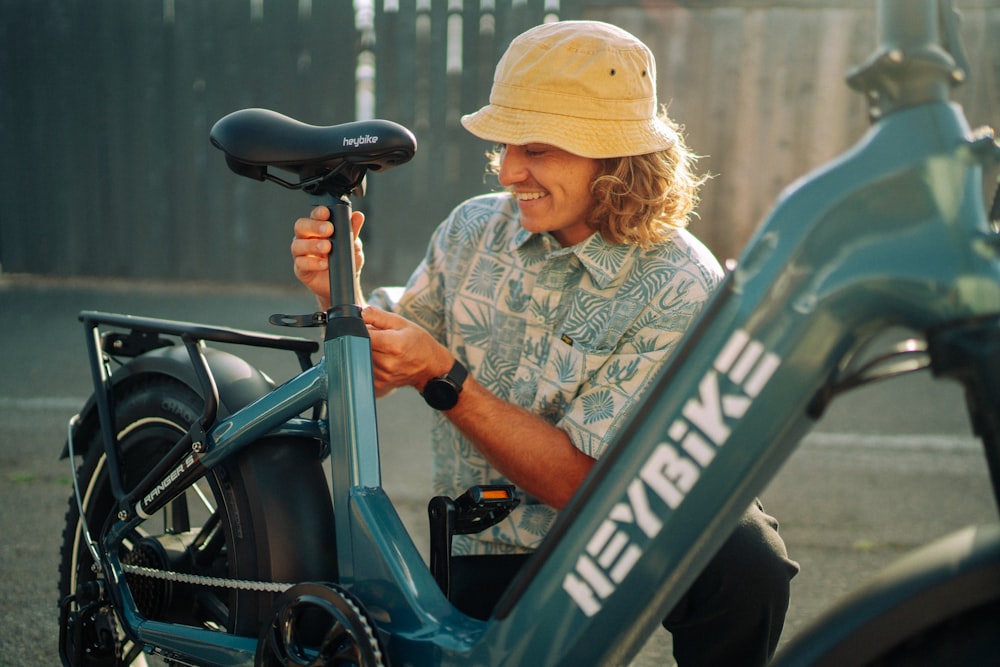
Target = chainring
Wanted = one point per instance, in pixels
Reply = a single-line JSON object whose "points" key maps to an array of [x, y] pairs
{"points": [[88, 637], [318, 625]]}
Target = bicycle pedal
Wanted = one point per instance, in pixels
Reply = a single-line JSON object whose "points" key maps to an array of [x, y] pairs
{"points": [[472, 512], [298, 321], [483, 506]]}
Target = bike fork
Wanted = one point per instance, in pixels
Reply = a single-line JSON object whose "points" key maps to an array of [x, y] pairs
{"points": [[969, 351]]}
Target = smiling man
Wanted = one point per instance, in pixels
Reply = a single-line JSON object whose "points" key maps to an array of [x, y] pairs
{"points": [[541, 314]]}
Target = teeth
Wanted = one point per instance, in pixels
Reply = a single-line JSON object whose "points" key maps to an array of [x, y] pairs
{"points": [[528, 196]]}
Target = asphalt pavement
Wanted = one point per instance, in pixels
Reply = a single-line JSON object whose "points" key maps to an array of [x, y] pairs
{"points": [[890, 466]]}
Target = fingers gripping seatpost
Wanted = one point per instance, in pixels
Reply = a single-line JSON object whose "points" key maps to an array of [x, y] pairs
{"points": [[343, 272]]}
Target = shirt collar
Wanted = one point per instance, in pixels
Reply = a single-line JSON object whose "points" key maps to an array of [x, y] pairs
{"points": [[603, 261]]}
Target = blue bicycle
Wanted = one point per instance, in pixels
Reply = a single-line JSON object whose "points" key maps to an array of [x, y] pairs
{"points": [[202, 529]]}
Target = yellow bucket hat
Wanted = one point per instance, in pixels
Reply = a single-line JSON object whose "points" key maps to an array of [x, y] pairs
{"points": [[586, 87]]}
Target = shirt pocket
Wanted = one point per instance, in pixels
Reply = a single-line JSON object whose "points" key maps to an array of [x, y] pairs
{"points": [[596, 324]]}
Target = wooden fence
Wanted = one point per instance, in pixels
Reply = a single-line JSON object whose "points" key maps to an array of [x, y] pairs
{"points": [[105, 109]]}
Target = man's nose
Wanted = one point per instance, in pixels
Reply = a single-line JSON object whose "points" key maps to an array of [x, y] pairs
{"points": [[512, 169]]}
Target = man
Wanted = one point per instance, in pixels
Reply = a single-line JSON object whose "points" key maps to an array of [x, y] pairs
{"points": [[540, 314]]}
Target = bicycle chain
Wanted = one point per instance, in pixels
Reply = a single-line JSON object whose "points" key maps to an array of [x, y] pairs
{"points": [[214, 582], [264, 586]]}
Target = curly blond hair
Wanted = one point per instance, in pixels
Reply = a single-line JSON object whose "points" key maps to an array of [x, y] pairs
{"points": [[641, 198]]}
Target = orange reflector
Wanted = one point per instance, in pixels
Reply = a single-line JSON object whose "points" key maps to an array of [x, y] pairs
{"points": [[495, 494]]}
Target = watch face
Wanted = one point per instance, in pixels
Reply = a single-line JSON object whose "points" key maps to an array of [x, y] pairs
{"points": [[440, 394]]}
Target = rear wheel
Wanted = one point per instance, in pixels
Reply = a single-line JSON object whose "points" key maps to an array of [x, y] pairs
{"points": [[215, 529]]}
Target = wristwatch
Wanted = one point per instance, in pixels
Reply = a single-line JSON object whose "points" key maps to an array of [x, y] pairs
{"points": [[442, 393]]}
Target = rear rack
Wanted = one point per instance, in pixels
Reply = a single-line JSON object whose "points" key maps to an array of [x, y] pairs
{"points": [[144, 332]]}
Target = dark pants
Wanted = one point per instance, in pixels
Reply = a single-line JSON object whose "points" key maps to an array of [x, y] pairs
{"points": [[732, 614]]}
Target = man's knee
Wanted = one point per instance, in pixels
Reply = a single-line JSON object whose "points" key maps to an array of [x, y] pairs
{"points": [[755, 558]]}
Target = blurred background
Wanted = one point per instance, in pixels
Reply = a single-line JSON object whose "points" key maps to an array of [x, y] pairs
{"points": [[106, 107]]}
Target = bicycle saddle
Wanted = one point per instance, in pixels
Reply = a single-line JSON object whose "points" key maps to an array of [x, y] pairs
{"points": [[326, 158]]}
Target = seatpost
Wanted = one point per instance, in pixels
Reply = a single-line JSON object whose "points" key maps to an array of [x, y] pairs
{"points": [[918, 59]]}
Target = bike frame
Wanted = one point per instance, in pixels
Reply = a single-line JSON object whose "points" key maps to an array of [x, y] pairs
{"points": [[891, 234]]}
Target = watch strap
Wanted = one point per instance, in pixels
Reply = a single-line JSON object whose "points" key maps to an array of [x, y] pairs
{"points": [[458, 374]]}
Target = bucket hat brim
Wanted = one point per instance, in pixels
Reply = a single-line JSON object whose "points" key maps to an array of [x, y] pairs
{"points": [[586, 137]]}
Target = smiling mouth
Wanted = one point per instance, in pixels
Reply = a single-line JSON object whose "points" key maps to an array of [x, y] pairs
{"points": [[528, 196]]}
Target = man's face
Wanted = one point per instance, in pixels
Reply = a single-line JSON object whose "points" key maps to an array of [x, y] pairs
{"points": [[552, 189]]}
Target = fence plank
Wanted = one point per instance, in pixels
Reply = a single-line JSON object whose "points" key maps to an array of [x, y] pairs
{"points": [[747, 83]]}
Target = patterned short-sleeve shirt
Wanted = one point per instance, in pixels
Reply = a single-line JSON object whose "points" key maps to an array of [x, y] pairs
{"points": [[572, 334]]}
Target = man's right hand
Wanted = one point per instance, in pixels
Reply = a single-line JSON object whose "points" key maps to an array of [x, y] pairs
{"points": [[311, 250]]}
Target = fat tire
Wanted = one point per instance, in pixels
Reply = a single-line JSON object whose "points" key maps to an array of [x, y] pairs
{"points": [[151, 413]]}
